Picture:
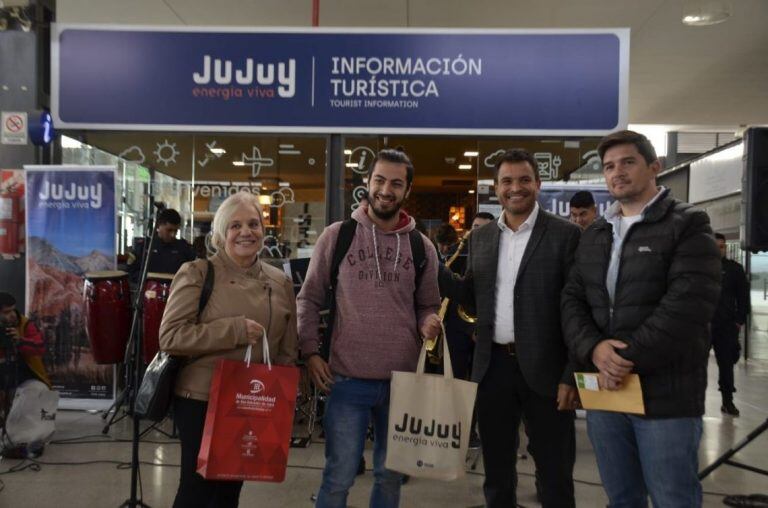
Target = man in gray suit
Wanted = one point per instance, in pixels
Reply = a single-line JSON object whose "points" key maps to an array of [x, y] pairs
{"points": [[516, 269]]}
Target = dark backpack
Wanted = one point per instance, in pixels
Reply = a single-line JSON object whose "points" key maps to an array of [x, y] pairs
{"points": [[343, 242]]}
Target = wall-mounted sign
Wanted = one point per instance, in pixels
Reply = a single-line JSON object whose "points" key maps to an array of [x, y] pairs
{"points": [[504, 82], [13, 128], [717, 175], [40, 129]]}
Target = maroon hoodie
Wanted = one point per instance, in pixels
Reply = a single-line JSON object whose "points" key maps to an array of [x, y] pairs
{"points": [[377, 321]]}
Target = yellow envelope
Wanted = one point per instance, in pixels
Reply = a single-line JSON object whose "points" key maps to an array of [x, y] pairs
{"points": [[627, 399]]}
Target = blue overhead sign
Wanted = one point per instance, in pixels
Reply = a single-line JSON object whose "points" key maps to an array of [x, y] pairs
{"points": [[320, 80]]}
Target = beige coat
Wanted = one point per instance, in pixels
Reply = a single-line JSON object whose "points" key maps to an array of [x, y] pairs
{"points": [[262, 293]]}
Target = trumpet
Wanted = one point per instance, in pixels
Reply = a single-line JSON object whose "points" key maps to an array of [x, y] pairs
{"points": [[434, 345]]}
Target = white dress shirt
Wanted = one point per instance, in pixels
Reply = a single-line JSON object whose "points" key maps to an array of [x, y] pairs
{"points": [[511, 248]]}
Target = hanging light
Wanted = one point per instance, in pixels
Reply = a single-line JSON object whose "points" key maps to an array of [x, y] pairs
{"points": [[705, 12]]}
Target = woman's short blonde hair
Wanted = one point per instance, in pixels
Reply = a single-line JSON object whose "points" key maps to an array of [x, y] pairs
{"points": [[223, 214]]}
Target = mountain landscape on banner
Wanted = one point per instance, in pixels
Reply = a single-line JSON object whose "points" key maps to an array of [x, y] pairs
{"points": [[44, 253], [56, 306]]}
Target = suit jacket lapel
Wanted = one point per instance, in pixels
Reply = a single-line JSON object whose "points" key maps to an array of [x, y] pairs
{"points": [[536, 235], [493, 250]]}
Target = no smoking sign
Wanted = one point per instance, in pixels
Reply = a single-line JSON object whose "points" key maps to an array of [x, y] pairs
{"points": [[14, 128]]}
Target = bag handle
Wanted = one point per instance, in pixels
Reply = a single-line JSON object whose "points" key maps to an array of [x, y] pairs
{"points": [[264, 352], [447, 366]]}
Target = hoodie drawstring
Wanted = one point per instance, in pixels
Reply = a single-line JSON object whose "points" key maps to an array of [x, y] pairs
{"points": [[397, 256], [376, 251]]}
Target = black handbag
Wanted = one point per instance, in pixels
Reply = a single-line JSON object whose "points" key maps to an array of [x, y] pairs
{"points": [[153, 398]]}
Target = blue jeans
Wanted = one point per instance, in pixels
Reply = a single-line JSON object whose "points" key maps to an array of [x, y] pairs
{"points": [[638, 457], [351, 404]]}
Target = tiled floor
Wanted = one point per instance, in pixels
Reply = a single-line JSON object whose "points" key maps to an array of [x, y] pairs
{"points": [[104, 483]]}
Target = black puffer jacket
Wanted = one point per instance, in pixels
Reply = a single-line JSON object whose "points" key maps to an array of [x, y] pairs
{"points": [[667, 288]]}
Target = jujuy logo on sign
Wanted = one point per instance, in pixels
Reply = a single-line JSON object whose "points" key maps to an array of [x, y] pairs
{"points": [[59, 195], [220, 78]]}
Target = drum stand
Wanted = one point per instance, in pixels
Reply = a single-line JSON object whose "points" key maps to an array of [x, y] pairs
{"points": [[121, 397]]}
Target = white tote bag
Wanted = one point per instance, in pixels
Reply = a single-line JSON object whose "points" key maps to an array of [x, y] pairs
{"points": [[429, 421], [32, 418]]}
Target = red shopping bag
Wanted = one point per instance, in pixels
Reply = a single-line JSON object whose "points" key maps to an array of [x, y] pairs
{"points": [[249, 421]]}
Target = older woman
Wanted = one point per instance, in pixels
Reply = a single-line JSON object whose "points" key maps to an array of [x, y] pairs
{"points": [[248, 299]]}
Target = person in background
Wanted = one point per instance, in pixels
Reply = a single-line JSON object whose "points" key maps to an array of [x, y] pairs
{"points": [[168, 252], [251, 301], [583, 209], [481, 219], [730, 316], [458, 332], [21, 345], [200, 247], [639, 299], [21, 359]]}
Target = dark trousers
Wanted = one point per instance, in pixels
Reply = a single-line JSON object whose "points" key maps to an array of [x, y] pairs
{"points": [[462, 347], [503, 397], [194, 490], [725, 341]]}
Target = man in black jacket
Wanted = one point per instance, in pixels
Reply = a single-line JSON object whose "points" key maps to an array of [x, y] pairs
{"points": [[168, 252], [516, 270], [730, 316], [639, 299]]}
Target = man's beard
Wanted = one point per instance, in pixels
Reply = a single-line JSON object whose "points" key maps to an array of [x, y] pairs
{"points": [[381, 214]]}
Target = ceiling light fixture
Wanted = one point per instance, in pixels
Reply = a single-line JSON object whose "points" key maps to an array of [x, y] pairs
{"points": [[705, 12], [471, 154], [465, 167], [471, 191], [218, 151], [238, 163]]}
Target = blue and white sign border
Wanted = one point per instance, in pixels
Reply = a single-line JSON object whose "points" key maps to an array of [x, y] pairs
{"points": [[622, 34]]}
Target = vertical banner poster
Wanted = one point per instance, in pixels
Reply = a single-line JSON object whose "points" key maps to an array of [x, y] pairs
{"points": [[70, 231]]}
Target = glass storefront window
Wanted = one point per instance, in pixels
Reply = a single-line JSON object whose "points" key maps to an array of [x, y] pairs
{"points": [[758, 332], [454, 175], [193, 174]]}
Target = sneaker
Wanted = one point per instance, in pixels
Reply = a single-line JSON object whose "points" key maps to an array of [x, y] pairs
{"points": [[729, 409]]}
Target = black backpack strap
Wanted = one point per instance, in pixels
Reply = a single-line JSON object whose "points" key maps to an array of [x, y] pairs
{"points": [[343, 242], [418, 254], [205, 293]]}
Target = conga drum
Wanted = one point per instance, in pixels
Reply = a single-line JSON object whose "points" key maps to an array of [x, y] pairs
{"points": [[155, 294], [107, 298]]}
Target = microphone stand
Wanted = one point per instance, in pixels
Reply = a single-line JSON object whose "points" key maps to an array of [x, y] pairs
{"points": [[134, 379]]}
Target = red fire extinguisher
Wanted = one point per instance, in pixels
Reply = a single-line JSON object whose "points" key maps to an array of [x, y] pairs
{"points": [[9, 223]]}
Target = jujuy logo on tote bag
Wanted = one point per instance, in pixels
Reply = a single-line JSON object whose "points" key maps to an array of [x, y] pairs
{"points": [[432, 434]]}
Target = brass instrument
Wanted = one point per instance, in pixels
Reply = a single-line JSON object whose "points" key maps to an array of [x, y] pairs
{"points": [[434, 345]]}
